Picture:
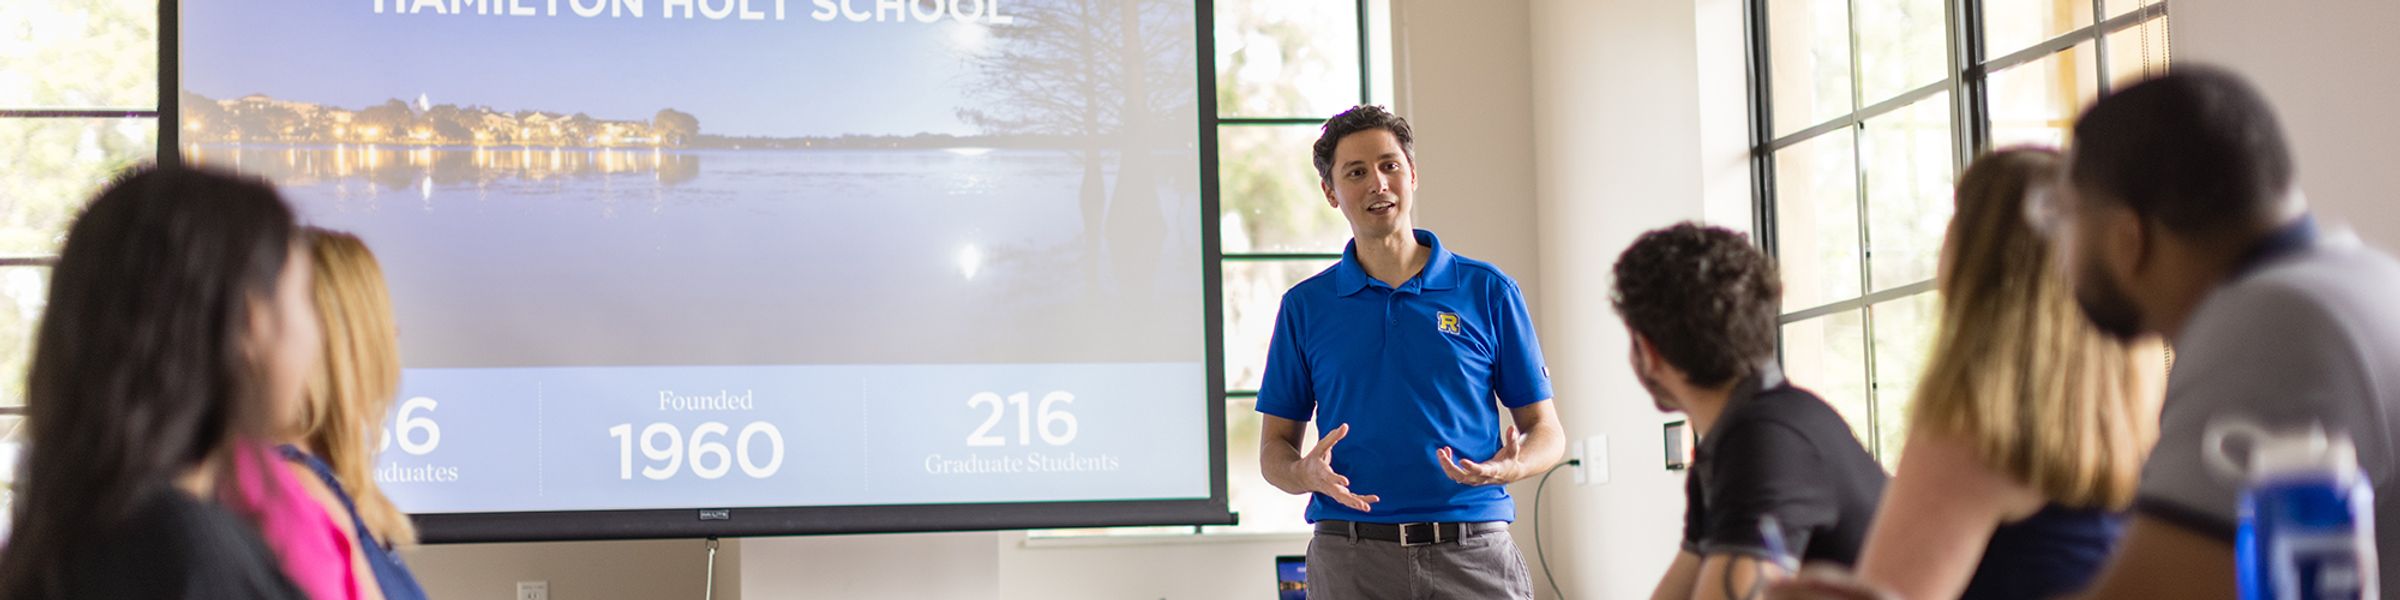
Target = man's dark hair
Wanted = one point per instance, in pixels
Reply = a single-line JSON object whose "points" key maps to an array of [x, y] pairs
{"points": [[1703, 296], [1361, 118], [2198, 150]]}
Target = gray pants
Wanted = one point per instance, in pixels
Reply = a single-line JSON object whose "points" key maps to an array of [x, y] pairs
{"points": [[1483, 566]]}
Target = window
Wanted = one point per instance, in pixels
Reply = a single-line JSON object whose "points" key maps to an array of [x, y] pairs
{"points": [[78, 103], [1863, 112]]}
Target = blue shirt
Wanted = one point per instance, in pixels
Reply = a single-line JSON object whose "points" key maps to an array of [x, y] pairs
{"points": [[2054, 553], [1411, 369]]}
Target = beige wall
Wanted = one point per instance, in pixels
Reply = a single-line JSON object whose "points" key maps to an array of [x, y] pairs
{"points": [[963, 566], [1618, 147], [578, 570], [1464, 74], [2323, 64]]}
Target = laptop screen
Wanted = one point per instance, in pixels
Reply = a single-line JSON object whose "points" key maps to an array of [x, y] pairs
{"points": [[1291, 578]]}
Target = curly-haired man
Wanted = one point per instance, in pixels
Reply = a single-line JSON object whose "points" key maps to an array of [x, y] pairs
{"points": [[1777, 478]]}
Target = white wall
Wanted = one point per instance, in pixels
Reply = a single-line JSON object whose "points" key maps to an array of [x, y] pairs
{"points": [[961, 566], [1640, 118], [578, 570], [1465, 83], [2324, 63], [1617, 146], [1200, 570]]}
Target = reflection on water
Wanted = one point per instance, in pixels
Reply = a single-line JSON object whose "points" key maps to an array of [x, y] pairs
{"points": [[416, 166], [526, 257]]}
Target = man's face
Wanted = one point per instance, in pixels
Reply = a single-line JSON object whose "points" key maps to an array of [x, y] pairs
{"points": [[2088, 235], [1373, 183], [1645, 369]]}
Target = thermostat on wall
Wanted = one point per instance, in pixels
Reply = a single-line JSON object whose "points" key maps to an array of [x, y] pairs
{"points": [[1679, 446]]}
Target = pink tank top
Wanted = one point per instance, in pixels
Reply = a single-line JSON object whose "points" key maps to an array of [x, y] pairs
{"points": [[311, 547]]}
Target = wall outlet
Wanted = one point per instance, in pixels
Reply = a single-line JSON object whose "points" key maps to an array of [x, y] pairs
{"points": [[1595, 460], [1575, 453], [533, 590]]}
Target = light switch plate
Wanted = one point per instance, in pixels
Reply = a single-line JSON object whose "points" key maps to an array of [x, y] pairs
{"points": [[533, 590], [1595, 458]]}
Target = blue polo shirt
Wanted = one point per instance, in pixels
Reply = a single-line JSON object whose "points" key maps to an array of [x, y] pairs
{"points": [[1411, 370]]}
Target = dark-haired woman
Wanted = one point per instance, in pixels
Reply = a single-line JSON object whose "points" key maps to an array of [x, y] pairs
{"points": [[178, 319]]}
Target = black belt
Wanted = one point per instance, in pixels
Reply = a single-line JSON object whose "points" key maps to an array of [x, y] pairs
{"points": [[1407, 534]]}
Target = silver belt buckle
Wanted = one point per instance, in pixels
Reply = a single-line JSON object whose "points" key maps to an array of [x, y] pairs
{"points": [[1436, 528]]}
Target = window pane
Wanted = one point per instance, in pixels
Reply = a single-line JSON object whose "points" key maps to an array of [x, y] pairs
{"points": [[2118, 7], [11, 441], [50, 167], [1902, 45], [1270, 198], [1809, 54], [1253, 293], [79, 54], [1903, 340], [1828, 355], [2013, 25], [1816, 221], [1264, 509], [2137, 53], [2036, 102], [24, 292], [1907, 157], [1286, 58]]}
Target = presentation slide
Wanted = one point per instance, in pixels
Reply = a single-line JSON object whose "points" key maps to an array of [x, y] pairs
{"points": [[675, 254]]}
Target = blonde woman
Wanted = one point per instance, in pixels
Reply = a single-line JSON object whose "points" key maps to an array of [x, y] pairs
{"points": [[346, 403], [2029, 427]]}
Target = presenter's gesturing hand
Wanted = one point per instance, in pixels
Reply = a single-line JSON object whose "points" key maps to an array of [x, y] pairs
{"points": [[1501, 469], [1316, 473]]}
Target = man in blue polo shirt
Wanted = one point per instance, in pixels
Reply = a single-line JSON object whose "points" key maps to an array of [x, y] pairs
{"points": [[1399, 351]]}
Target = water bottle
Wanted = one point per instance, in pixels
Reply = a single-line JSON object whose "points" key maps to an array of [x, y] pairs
{"points": [[2307, 515]]}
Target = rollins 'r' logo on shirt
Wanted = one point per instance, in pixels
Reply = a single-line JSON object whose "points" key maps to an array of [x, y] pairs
{"points": [[1448, 322]]}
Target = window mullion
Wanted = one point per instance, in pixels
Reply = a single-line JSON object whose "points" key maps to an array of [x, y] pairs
{"points": [[1366, 83], [2099, 48], [1970, 120], [1866, 248], [1762, 128], [170, 82]]}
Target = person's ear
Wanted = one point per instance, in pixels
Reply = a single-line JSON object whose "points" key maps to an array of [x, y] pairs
{"points": [[2125, 242], [1645, 357], [262, 329], [1326, 185]]}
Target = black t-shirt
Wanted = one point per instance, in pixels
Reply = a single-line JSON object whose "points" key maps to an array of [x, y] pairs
{"points": [[177, 547], [1779, 450]]}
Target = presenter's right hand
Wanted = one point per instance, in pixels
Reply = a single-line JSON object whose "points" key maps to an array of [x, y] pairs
{"points": [[1316, 472]]}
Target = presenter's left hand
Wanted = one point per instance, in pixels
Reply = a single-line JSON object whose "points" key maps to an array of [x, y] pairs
{"points": [[1501, 469]]}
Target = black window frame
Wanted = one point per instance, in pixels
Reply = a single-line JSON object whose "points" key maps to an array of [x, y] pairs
{"points": [[1967, 83]]}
